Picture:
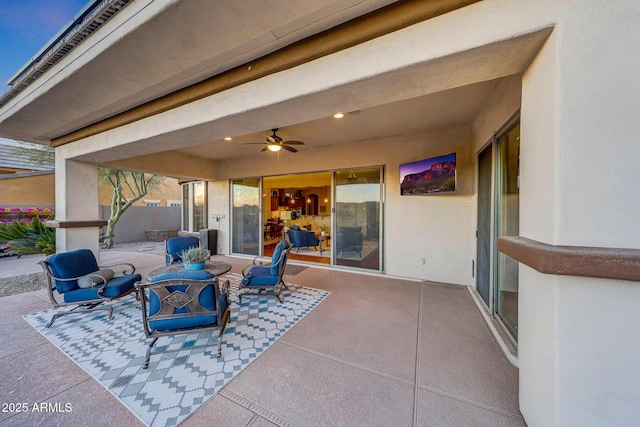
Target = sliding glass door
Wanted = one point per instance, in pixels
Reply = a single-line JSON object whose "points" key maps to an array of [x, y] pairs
{"points": [[246, 221], [194, 206], [508, 224], [358, 196], [499, 215]]}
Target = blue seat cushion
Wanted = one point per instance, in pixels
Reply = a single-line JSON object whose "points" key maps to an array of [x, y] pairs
{"points": [[184, 274], [275, 268], [260, 276], [206, 299], [116, 286], [66, 265]]}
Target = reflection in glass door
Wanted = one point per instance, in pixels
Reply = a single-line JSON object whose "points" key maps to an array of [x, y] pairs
{"points": [[245, 219], [508, 224], [199, 206], [358, 218]]}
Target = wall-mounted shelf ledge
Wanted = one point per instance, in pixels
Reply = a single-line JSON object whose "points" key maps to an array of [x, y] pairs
{"points": [[76, 223], [581, 261]]}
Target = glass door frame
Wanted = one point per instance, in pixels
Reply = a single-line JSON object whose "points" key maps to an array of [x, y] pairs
{"points": [[380, 230], [494, 256], [332, 213], [189, 208], [233, 219], [499, 258]]}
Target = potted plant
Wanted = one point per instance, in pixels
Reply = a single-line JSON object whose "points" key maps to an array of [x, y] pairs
{"points": [[323, 229], [194, 258]]}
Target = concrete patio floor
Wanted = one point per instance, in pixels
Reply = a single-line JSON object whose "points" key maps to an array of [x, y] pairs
{"points": [[377, 352]]}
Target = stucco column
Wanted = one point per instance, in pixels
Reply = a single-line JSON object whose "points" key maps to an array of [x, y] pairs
{"points": [[77, 202], [578, 343]]}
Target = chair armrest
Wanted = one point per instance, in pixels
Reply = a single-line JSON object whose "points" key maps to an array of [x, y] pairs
{"points": [[61, 279], [247, 273], [99, 287], [225, 286], [126, 266], [257, 261]]}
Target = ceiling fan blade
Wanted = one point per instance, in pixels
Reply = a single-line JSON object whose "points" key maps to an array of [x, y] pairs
{"points": [[271, 139], [253, 143], [293, 142], [286, 147], [265, 148]]}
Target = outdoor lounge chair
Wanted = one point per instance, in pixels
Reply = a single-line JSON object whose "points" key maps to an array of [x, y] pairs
{"points": [[80, 282], [266, 280], [183, 302], [175, 245]]}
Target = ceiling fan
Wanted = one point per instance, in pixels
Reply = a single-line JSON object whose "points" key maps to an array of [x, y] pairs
{"points": [[275, 143]]}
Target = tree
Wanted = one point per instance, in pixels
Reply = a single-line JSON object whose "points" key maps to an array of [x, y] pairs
{"points": [[128, 187], [138, 185]]}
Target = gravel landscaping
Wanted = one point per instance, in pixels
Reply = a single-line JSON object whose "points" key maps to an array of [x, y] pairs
{"points": [[36, 281]]}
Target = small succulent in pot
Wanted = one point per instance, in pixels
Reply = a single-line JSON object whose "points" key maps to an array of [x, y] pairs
{"points": [[195, 255]]}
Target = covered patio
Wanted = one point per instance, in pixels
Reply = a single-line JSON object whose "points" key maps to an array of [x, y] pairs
{"points": [[377, 352], [179, 88]]}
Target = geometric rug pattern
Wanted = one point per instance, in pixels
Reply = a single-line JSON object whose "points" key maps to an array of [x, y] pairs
{"points": [[176, 384]]}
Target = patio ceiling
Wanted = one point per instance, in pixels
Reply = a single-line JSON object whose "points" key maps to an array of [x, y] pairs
{"points": [[136, 66], [446, 108], [126, 64]]}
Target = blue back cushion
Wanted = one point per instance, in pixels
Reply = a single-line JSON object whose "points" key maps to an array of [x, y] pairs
{"points": [[66, 265], [276, 256], [175, 245], [206, 299], [295, 228]]}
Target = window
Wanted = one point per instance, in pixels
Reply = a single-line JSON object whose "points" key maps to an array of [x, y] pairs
{"points": [[152, 202], [194, 206]]}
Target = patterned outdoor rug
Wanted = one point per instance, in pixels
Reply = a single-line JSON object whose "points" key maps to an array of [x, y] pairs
{"points": [[176, 384]]}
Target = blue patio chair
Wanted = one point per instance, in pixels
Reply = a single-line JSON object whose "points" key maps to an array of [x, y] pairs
{"points": [[81, 283], [175, 245], [302, 238], [183, 302], [266, 280]]}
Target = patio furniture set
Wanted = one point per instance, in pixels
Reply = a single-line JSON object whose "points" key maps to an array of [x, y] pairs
{"points": [[174, 300]]}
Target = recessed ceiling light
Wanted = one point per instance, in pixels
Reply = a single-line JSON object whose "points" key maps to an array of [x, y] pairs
{"points": [[338, 115], [227, 138]]}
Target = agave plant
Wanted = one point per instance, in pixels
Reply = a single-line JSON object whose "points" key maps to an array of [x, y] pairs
{"points": [[29, 238], [195, 254]]}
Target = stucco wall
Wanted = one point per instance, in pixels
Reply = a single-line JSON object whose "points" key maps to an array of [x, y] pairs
{"points": [[168, 190], [578, 339], [137, 219], [426, 237], [40, 190], [29, 190]]}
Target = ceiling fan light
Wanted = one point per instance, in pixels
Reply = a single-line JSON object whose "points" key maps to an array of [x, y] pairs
{"points": [[274, 147]]}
